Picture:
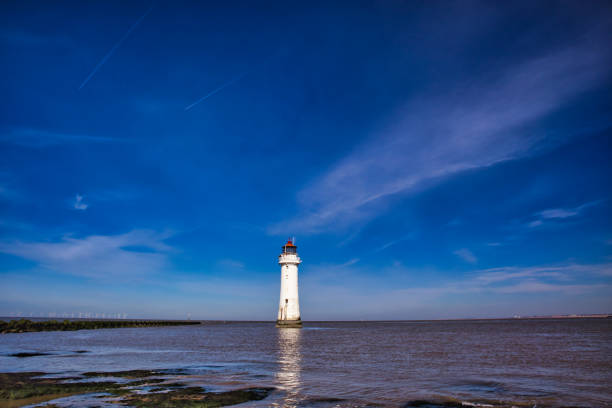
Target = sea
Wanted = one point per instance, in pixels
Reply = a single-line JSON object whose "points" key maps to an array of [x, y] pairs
{"points": [[539, 362]]}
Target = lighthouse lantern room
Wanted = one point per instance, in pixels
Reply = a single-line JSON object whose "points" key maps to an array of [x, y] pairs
{"points": [[289, 306]]}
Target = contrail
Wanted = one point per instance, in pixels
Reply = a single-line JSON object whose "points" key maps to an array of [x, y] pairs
{"points": [[219, 88], [117, 45], [232, 81]]}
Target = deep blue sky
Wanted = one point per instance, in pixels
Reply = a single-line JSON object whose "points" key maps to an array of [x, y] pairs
{"points": [[434, 159]]}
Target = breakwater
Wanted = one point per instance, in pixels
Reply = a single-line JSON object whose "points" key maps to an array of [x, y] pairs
{"points": [[24, 325]]}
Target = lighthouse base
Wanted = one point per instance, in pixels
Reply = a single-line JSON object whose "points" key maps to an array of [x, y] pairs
{"points": [[287, 324]]}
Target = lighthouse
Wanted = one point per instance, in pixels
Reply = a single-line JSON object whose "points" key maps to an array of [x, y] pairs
{"points": [[289, 305]]}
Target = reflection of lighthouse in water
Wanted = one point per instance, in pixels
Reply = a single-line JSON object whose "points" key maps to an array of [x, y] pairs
{"points": [[289, 305], [288, 375]]}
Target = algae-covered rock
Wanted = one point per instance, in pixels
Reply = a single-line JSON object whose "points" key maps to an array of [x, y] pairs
{"points": [[123, 374], [14, 386], [25, 354], [19, 389], [195, 397]]}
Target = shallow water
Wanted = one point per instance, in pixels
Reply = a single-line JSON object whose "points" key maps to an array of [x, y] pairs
{"points": [[559, 362]]}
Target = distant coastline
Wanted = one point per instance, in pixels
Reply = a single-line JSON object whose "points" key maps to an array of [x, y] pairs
{"points": [[571, 316]]}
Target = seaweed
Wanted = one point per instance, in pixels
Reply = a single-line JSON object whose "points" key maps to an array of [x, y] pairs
{"points": [[23, 355], [195, 397], [25, 385], [19, 387], [123, 374]]}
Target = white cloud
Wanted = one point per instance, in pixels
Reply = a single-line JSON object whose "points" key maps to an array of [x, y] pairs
{"points": [[125, 256], [472, 126], [79, 204], [466, 255], [560, 213]]}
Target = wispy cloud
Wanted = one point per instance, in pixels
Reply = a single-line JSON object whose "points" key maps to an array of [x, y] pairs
{"points": [[114, 48], [100, 196], [79, 204], [126, 256], [350, 262], [36, 138], [410, 235], [400, 292], [466, 255], [230, 264], [471, 126], [563, 278], [539, 287], [562, 272], [386, 245], [559, 213]]}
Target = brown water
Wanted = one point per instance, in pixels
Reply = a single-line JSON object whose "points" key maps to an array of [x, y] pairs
{"points": [[558, 362]]}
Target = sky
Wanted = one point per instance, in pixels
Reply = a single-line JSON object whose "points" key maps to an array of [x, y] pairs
{"points": [[438, 159]]}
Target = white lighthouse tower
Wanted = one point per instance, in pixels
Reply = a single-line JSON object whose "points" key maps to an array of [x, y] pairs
{"points": [[289, 305]]}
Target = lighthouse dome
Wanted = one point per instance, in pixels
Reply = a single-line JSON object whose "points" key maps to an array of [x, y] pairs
{"points": [[289, 248]]}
